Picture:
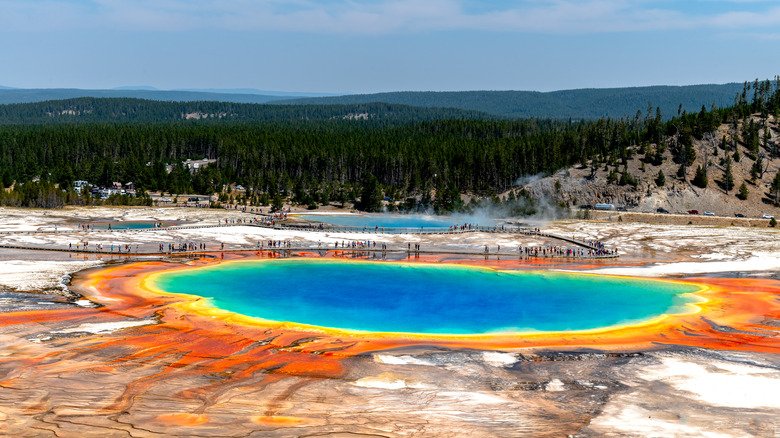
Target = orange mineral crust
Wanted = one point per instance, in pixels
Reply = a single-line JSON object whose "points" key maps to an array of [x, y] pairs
{"points": [[736, 314], [146, 363]]}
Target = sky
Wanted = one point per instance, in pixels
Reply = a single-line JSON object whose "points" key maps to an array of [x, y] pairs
{"points": [[359, 46]]}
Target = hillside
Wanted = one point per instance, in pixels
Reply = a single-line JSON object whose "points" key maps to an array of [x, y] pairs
{"points": [[117, 110], [580, 184], [566, 104]]}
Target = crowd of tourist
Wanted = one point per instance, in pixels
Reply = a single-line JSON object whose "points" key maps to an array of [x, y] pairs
{"points": [[562, 251], [113, 248], [359, 244]]}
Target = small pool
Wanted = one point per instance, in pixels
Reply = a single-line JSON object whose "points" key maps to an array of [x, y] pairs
{"points": [[389, 220], [131, 225]]}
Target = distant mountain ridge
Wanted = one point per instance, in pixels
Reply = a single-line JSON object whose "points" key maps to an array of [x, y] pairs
{"points": [[18, 95], [136, 88], [591, 103], [250, 91], [284, 94]]}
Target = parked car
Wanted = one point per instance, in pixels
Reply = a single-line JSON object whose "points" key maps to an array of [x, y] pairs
{"points": [[622, 209], [767, 216], [739, 215], [693, 211], [709, 213], [662, 210]]}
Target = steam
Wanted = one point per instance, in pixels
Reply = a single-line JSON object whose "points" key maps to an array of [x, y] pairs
{"points": [[534, 211], [528, 179], [486, 212], [528, 207]]}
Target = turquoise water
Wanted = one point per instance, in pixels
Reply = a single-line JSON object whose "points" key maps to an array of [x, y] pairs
{"points": [[387, 220], [418, 298], [129, 225]]}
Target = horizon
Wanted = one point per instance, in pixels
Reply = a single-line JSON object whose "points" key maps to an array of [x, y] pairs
{"points": [[304, 94], [361, 47]]}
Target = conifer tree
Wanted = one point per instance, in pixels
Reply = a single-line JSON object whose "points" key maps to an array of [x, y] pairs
{"points": [[612, 177], [755, 169], [774, 188], [278, 203], [370, 194], [681, 172], [660, 180], [700, 179], [743, 191], [728, 177]]}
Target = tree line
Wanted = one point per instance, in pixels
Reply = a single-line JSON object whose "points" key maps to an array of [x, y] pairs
{"points": [[129, 110]]}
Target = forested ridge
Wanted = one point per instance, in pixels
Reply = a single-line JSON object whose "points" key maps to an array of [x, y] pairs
{"points": [[101, 110], [587, 104], [472, 154], [319, 161], [563, 104]]}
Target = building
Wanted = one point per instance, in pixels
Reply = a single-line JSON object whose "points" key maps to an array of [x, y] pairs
{"points": [[189, 164]]}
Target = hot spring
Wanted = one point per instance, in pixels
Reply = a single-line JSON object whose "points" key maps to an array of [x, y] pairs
{"points": [[424, 298], [414, 221], [130, 225]]}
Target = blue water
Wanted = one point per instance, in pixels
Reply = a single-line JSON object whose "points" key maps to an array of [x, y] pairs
{"points": [[388, 220], [129, 225], [418, 298]]}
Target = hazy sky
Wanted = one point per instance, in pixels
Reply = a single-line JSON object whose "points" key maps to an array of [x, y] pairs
{"points": [[364, 46]]}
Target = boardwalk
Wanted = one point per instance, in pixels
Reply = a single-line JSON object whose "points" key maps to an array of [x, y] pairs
{"points": [[433, 230], [148, 249], [296, 249]]}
